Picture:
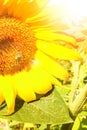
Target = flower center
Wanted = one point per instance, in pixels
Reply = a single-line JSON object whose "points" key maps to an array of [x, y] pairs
{"points": [[17, 46]]}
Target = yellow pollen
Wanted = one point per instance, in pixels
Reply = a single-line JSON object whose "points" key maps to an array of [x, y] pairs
{"points": [[17, 45]]}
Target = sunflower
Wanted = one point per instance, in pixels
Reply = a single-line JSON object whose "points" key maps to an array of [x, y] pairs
{"points": [[28, 51]]}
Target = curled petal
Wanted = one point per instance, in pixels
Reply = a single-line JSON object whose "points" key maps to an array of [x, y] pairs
{"points": [[58, 51]]}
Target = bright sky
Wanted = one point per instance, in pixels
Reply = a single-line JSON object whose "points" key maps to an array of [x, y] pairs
{"points": [[75, 9]]}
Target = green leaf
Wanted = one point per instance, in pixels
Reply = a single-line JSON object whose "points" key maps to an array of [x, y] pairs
{"points": [[50, 109], [80, 122]]}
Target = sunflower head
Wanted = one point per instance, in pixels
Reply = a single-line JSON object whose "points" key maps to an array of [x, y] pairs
{"points": [[29, 49], [15, 38]]}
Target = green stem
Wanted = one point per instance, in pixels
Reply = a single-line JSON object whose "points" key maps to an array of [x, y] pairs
{"points": [[79, 102], [74, 83], [76, 106]]}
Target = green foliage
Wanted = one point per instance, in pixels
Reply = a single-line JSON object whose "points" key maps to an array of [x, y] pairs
{"points": [[50, 109]]}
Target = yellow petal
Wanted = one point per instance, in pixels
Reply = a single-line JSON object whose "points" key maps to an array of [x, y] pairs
{"points": [[10, 6], [41, 3], [43, 82], [40, 15], [40, 80], [23, 9], [2, 8], [45, 15], [49, 36], [8, 92], [24, 87], [5, 2], [1, 96], [50, 66], [58, 51]]}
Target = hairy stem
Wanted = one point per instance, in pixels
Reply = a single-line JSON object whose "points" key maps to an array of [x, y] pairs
{"points": [[74, 83], [79, 102]]}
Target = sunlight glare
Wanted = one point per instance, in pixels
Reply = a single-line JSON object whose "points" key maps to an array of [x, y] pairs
{"points": [[76, 10]]}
